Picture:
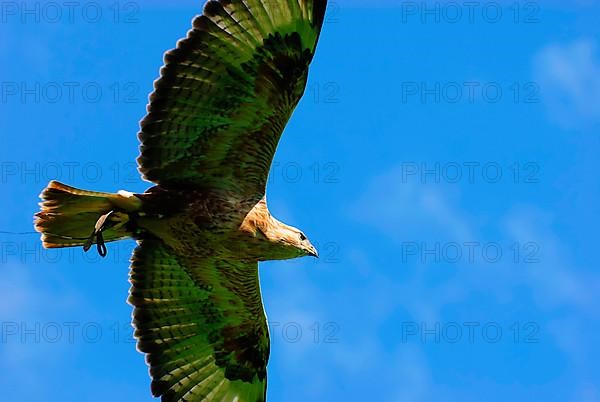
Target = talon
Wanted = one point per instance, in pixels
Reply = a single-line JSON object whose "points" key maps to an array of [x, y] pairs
{"points": [[101, 246], [101, 225], [89, 242]]}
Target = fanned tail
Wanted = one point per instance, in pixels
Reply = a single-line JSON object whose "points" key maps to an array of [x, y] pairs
{"points": [[68, 215]]}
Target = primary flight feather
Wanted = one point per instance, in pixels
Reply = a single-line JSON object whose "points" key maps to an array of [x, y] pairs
{"points": [[214, 121]]}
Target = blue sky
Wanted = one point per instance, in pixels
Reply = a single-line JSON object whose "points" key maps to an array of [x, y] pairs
{"points": [[445, 162]]}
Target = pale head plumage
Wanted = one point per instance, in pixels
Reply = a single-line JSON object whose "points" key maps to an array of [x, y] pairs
{"points": [[281, 241]]}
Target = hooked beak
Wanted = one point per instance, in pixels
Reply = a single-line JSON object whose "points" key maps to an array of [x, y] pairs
{"points": [[312, 251]]}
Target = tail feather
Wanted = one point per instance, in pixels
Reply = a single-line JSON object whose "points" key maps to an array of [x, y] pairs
{"points": [[68, 215]]}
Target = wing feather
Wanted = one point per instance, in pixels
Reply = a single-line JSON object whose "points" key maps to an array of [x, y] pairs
{"points": [[201, 324], [226, 93]]}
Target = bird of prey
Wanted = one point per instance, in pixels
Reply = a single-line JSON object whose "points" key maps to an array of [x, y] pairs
{"points": [[212, 127]]}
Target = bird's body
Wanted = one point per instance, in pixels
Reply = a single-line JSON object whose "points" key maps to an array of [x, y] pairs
{"points": [[185, 219], [214, 121], [224, 225]]}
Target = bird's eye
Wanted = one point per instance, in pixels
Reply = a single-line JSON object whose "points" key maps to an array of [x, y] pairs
{"points": [[302, 237]]}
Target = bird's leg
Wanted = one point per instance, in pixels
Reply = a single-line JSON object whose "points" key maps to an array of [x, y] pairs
{"points": [[102, 224]]}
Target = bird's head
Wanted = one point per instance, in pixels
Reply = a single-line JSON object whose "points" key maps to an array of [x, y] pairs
{"points": [[277, 240], [290, 241]]}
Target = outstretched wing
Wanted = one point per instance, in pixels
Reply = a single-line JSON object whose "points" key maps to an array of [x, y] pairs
{"points": [[226, 93], [201, 324]]}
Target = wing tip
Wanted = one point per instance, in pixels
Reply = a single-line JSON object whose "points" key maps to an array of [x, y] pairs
{"points": [[319, 11], [212, 8]]}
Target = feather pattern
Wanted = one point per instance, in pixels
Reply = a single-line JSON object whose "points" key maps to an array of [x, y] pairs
{"points": [[201, 323], [226, 93]]}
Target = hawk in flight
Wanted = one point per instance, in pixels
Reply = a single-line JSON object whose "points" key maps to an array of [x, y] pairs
{"points": [[213, 124]]}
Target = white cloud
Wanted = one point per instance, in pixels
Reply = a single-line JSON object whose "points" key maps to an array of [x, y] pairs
{"points": [[563, 290], [408, 210], [555, 281], [402, 207], [569, 80]]}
